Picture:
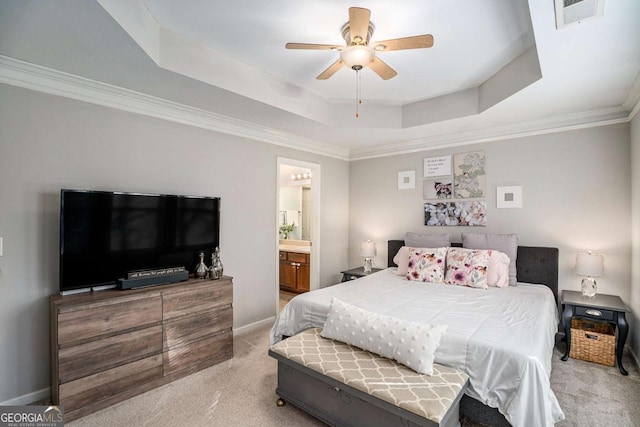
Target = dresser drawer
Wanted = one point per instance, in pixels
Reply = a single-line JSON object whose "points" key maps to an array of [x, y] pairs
{"points": [[77, 323], [208, 350], [210, 295], [89, 358], [91, 389], [192, 328], [594, 313]]}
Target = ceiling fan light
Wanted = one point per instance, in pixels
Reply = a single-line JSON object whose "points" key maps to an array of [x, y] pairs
{"points": [[354, 56]]}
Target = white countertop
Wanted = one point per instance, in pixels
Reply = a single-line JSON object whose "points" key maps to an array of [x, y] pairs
{"points": [[296, 248]]}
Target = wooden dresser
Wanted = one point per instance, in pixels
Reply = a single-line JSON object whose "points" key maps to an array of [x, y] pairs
{"points": [[108, 346]]}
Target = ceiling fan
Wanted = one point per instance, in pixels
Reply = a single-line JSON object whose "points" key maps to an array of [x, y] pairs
{"points": [[359, 52]]}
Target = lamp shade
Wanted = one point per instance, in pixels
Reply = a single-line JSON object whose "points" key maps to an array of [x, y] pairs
{"points": [[357, 56], [368, 249], [589, 264]]}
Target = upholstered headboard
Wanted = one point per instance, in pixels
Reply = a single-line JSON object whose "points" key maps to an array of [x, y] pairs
{"points": [[535, 264]]}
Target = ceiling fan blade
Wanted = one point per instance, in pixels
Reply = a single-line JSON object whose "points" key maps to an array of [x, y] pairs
{"points": [[382, 69], [331, 70], [359, 24], [312, 46], [414, 42]]}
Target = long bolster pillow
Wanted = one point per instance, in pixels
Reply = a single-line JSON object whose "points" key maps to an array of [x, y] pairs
{"points": [[410, 343]]}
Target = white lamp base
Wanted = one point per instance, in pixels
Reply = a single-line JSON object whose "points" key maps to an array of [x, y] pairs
{"points": [[589, 287], [367, 265]]}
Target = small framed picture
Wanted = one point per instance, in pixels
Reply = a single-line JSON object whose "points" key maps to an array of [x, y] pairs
{"points": [[406, 180], [509, 197], [437, 189]]}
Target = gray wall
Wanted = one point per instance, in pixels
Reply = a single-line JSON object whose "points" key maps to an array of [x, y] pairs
{"points": [[635, 215], [48, 143], [576, 191]]}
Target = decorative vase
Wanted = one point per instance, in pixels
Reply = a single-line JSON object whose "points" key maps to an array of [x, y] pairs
{"points": [[219, 266], [201, 268], [215, 272]]}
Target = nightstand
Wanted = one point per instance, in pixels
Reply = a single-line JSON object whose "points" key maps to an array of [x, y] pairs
{"points": [[609, 308], [356, 273]]}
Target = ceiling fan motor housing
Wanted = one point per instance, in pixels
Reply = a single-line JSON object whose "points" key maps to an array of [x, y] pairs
{"points": [[346, 35]]}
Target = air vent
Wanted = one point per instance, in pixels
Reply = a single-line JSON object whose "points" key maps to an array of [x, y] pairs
{"points": [[575, 11]]}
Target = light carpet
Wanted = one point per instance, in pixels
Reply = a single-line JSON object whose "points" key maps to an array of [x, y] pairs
{"points": [[241, 392]]}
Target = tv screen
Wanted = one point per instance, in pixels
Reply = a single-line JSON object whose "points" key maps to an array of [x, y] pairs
{"points": [[106, 235]]}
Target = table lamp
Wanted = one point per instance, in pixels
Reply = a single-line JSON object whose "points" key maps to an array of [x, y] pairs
{"points": [[367, 251], [590, 265]]}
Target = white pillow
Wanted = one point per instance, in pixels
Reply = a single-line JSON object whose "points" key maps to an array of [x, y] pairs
{"points": [[410, 343], [498, 270], [402, 261]]}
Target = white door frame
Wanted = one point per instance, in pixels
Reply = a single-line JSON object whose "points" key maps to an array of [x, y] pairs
{"points": [[315, 223]]}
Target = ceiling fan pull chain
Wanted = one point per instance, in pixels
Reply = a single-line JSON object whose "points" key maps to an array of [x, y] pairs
{"points": [[358, 93]]}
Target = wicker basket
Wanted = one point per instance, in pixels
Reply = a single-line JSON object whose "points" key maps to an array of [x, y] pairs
{"points": [[592, 341]]}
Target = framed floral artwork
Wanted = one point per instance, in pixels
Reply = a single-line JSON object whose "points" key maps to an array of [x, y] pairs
{"points": [[469, 177], [440, 189], [472, 214]]}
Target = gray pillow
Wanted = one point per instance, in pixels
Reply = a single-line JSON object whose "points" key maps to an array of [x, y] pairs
{"points": [[507, 243], [416, 240]]}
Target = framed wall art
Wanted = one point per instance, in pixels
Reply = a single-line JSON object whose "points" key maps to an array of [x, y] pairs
{"points": [[439, 188], [437, 166], [509, 197], [406, 180], [469, 175], [473, 214]]}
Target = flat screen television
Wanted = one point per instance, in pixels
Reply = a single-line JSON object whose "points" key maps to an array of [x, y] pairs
{"points": [[106, 235]]}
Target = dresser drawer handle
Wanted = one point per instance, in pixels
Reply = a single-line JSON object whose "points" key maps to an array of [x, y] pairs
{"points": [[591, 312]]}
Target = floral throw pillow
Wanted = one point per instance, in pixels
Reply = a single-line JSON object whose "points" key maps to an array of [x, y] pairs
{"points": [[467, 267], [426, 264]]}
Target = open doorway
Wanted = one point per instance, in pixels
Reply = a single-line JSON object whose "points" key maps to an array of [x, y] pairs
{"points": [[297, 229]]}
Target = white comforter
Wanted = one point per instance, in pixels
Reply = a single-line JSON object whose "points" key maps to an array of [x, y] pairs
{"points": [[502, 338]]}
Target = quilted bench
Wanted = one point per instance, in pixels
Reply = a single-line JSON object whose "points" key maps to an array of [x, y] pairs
{"points": [[345, 386]]}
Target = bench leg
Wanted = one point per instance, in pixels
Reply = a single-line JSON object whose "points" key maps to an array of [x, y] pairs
{"points": [[280, 402]]}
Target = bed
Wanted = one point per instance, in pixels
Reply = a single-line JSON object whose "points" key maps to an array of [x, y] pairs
{"points": [[502, 338]]}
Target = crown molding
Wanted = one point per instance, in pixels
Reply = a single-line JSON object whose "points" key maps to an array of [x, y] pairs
{"points": [[565, 123], [632, 103], [42, 79]]}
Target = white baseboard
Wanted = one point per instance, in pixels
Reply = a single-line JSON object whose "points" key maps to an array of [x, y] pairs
{"points": [[29, 398], [253, 326]]}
